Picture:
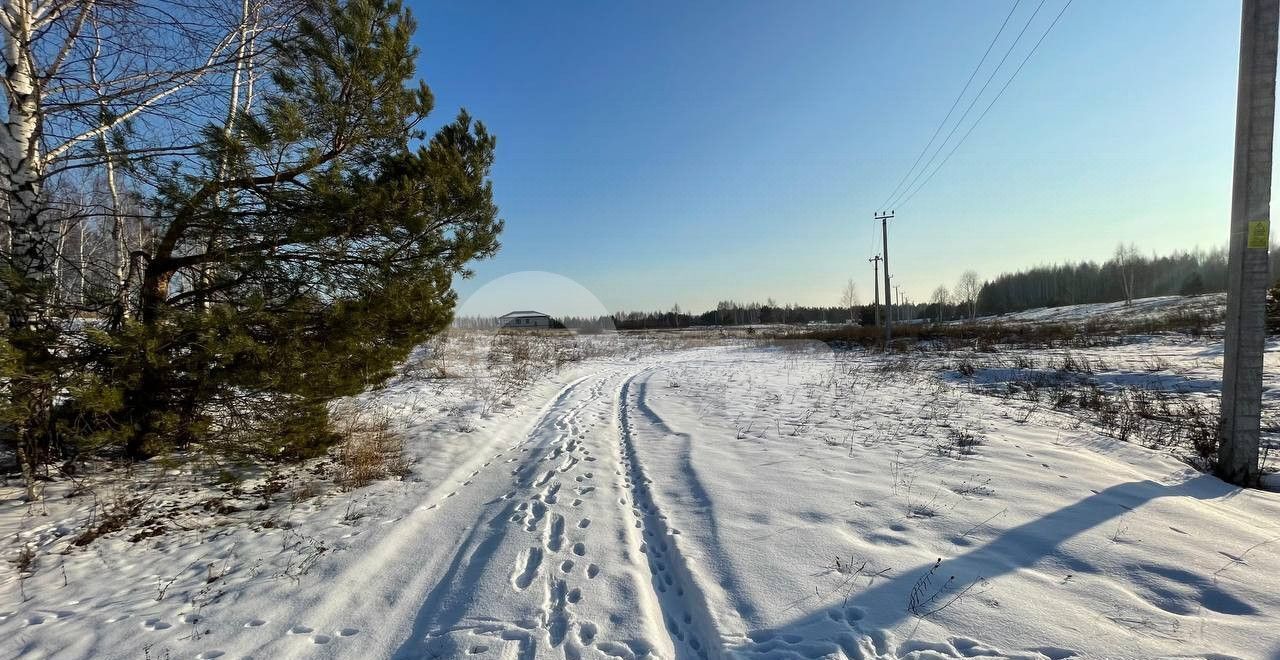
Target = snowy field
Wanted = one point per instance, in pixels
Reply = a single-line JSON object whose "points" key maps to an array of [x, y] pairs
{"points": [[1211, 304], [691, 498]]}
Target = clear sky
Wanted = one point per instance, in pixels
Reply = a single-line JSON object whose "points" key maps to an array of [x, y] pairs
{"points": [[693, 151]]}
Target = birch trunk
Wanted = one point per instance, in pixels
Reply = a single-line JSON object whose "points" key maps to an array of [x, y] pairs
{"points": [[240, 77], [120, 241], [20, 150], [81, 266], [59, 248]]}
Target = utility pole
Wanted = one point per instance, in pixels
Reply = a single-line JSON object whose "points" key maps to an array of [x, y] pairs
{"points": [[1248, 262], [884, 219], [897, 290], [875, 280], [889, 307]]}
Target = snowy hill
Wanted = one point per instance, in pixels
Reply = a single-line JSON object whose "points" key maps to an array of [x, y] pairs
{"points": [[1213, 304]]}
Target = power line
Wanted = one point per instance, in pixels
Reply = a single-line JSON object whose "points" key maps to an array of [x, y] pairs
{"points": [[972, 102], [955, 103], [989, 105]]}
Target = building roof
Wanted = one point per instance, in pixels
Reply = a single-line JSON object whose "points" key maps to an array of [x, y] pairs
{"points": [[515, 315]]}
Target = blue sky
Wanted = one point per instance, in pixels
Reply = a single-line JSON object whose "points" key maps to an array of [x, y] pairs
{"points": [[689, 152]]}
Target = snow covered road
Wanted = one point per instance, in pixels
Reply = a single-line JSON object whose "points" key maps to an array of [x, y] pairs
{"points": [[566, 552]]}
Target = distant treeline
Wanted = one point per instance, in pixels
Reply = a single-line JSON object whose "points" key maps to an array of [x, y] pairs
{"points": [[1125, 276], [581, 324], [726, 313], [731, 312]]}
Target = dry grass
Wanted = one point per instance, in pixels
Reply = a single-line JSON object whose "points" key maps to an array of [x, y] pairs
{"points": [[370, 449], [25, 559], [111, 516], [987, 335]]}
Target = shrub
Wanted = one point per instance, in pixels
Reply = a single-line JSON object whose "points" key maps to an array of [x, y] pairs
{"points": [[370, 450]]}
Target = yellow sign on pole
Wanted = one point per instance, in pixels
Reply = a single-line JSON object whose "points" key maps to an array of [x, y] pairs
{"points": [[1259, 234]]}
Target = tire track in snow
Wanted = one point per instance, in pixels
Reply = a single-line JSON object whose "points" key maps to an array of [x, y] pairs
{"points": [[554, 627], [691, 483], [676, 593], [446, 608]]}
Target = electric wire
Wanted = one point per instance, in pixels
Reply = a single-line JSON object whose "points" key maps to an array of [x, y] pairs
{"points": [[972, 102], [954, 104], [989, 105]]}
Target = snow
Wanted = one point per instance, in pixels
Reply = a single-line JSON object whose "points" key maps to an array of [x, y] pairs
{"points": [[687, 498], [1212, 304]]}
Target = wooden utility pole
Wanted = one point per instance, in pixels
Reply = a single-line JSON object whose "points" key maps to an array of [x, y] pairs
{"points": [[1248, 264], [875, 280], [884, 219]]}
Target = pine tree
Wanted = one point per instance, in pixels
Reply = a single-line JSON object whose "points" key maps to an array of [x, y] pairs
{"points": [[312, 250]]}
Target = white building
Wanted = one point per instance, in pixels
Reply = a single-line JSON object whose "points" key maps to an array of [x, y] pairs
{"points": [[524, 320]]}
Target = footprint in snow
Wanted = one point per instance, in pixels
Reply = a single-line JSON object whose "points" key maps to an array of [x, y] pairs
{"points": [[156, 624], [254, 623], [348, 632], [527, 568], [299, 630]]}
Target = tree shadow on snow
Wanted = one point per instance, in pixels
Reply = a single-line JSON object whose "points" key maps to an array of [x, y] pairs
{"points": [[857, 626]]}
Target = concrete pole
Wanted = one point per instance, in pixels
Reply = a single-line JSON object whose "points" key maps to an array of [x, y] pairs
{"points": [[888, 317], [875, 280], [1248, 263]]}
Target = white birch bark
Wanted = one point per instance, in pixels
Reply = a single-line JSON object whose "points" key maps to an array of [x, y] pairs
{"points": [[20, 151]]}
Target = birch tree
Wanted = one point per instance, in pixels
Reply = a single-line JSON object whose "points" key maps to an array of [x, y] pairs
{"points": [[941, 298], [58, 122], [967, 289], [1126, 258], [849, 298], [81, 77]]}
